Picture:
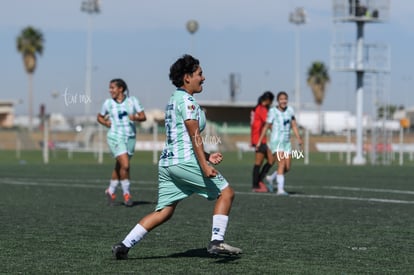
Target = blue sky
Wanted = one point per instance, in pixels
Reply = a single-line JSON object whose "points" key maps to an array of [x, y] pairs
{"points": [[139, 40]]}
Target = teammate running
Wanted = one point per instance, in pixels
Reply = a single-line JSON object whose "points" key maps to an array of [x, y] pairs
{"points": [[119, 114], [281, 120], [184, 167]]}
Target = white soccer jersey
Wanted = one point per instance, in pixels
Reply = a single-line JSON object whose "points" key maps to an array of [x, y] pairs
{"points": [[281, 124], [178, 147], [121, 125]]}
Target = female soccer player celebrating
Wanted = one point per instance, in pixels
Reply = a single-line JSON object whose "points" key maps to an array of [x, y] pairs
{"points": [[119, 114], [184, 168], [281, 119]]}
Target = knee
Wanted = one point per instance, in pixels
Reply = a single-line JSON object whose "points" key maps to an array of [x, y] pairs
{"points": [[167, 214], [287, 169], [228, 193], [124, 167]]}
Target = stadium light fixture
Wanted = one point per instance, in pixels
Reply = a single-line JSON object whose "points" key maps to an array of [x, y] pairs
{"points": [[90, 7], [297, 17]]}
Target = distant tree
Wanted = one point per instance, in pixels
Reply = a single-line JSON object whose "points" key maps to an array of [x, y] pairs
{"points": [[387, 111], [30, 44], [318, 78]]}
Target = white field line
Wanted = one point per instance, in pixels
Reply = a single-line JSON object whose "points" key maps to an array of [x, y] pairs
{"points": [[394, 191], [39, 181], [330, 197], [352, 198], [68, 185], [83, 185], [45, 181], [370, 190]]}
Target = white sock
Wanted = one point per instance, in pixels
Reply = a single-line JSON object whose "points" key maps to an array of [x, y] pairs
{"points": [[280, 183], [112, 186], [136, 235], [125, 186], [219, 227], [273, 176]]}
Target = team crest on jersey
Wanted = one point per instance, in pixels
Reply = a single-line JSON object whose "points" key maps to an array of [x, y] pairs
{"points": [[190, 98], [191, 107], [122, 114]]}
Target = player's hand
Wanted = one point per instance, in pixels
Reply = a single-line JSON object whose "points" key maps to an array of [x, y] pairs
{"points": [[108, 123], [257, 147], [132, 117], [300, 142], [209, 171], [215, 158]]}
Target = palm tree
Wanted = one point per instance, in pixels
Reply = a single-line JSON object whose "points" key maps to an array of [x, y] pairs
{"points": [[29, 44], [318, 77]]}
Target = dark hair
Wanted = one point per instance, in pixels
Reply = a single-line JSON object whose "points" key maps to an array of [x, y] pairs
{"points": [[120, 83], [279, 94], [268, 95], [184, 65]]}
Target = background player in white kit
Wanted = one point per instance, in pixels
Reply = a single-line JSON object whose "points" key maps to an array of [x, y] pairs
{"points": [[119, 114], [281, 120]]}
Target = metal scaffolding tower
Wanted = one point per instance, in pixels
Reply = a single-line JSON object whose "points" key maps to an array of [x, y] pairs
{"points": [[360, 57]]}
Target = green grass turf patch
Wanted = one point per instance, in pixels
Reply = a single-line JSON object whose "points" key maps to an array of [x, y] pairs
{"points": [[55, 220]]}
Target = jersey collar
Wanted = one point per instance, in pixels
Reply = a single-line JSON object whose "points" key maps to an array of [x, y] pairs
{"points": [[125, 97]]}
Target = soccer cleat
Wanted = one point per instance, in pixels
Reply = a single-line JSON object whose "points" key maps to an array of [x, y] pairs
{"points": [[261, 189], [269, 184], [282, 193], [111, 197], [220, 247], [120, 251], [128, 200]]}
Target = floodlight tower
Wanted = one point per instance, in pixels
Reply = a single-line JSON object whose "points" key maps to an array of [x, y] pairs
{"points": [[90, 7], [359, 57], [297, 17]]}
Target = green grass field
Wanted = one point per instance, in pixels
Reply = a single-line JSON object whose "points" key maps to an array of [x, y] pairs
{"points": [[338, 220]]}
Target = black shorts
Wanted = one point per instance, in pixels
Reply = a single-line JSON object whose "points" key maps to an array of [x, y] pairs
{"points": [[262, 148]]}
